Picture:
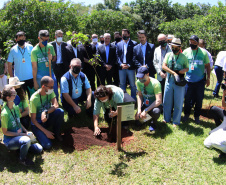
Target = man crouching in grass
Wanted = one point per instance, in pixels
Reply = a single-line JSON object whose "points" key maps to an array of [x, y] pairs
{"points": [[45, 113]]}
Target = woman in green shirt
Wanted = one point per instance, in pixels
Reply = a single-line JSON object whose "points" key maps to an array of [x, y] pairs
{"points": [[175, 64], [106, 97], [15, 135], [24, 109]]}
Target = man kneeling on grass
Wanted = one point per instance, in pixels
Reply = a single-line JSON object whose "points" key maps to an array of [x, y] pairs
{"points": [[149, 97], [45, 113]]}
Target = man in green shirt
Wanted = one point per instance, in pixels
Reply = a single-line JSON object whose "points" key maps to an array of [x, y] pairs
{"points": [[41, 54], [149, 97], [196, 77], [45, 112]]}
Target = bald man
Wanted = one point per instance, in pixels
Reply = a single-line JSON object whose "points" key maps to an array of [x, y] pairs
{"points": [[159, 55], [75, 89], [45, 113]]}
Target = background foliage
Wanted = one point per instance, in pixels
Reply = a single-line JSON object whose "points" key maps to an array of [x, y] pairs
{"points": [[154, 16]]}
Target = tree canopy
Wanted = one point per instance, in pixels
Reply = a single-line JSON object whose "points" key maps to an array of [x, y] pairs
{"points": [[154, 16]]}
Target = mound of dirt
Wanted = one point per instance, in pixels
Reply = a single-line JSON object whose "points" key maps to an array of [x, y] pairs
{"points": [[82, 138]]}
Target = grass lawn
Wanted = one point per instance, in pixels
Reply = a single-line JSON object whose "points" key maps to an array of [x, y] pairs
{"points": [[169, 156]]}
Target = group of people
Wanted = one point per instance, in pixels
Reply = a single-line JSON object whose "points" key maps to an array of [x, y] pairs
{"points": [[37, 71]]}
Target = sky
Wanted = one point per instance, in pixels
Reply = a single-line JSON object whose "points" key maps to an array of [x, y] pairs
{"points": [[93, 2]]}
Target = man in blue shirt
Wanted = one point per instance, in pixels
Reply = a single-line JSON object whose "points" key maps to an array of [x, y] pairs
{"points": [[20, 54], [75, 88]]}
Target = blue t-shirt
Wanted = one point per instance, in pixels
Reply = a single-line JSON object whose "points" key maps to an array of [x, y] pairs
{"points": [[22, 61], [76, 85]]}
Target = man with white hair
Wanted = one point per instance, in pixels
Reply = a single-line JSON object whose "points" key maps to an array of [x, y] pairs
{"points": [[75, 88], [159, 55], [107, 52]]}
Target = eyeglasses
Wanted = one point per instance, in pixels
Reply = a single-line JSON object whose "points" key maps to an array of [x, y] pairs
{"points": [[14, 94], [51, 87]]}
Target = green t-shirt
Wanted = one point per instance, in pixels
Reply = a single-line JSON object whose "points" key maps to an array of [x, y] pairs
{"points": [[23, 105], [8, 120], [2, 65], [197, 60], [149, 92], [118, 96], [40, 103], [180, 61], [40, 55]]}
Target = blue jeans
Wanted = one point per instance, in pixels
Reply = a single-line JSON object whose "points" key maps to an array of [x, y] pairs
{"points": [[24, 144], [131, 76], [55, 120], [194, 94], [82, 98], [219, 73], [55, 87], [173, 96]]}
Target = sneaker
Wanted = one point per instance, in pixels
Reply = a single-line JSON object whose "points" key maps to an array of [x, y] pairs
{"points": [[151, 129], [197, 121], [185, 118], [27, 162]]}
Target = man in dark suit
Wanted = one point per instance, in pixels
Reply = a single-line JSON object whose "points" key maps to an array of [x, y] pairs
{"points": [[73, 50], [107, 52], [126, 65], [89, 50], [59, 67], [143, 53], [118, 38]]}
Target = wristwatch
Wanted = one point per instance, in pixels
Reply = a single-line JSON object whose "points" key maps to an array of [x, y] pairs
{"points": [[146, 110]]}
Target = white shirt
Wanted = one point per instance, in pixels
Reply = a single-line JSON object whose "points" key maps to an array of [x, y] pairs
{"points": [[125, 45], [220, 59], [59, 56], [75, 51]]}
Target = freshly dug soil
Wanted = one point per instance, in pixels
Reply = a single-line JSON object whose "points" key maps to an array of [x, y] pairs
{"points": [[82, 138]]}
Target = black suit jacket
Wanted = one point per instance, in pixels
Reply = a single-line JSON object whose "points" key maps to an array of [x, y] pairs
{"points": [[63, 50], [129, 54], [112, 55], [149, 56], [70, 54]]}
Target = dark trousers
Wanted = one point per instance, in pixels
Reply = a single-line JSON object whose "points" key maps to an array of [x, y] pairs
{"points": [[59, 72], [218, 114], [27, 86], [116, 76], [105, 75], [219, 73], [25, 121], [154, 113], [90, 73], [163, 85], [82, 98], [194, 94]]}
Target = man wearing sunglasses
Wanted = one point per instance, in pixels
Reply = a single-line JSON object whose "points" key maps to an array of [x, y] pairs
{"points": [[45, 113]]}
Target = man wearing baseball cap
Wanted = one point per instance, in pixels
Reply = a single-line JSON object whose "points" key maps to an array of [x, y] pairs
{"points": [[196, 77], [149, 97]]}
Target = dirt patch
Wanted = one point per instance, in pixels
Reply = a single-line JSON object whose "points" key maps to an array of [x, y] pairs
{"points": [[82, 138]]}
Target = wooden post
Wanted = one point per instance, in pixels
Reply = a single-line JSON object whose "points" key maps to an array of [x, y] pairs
{"points": [[119, 128], [50, 70]]}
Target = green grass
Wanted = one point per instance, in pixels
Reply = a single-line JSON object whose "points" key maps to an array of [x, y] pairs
{"points": [[169, 156]]}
